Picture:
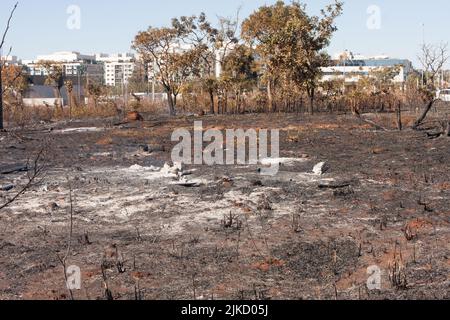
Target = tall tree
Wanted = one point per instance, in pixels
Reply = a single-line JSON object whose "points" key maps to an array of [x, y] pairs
{"points": [[212, 44], [198, 32], [261, 30], [2, 43], [433, 58], [290, 41], [239, 70], [175, 63]]}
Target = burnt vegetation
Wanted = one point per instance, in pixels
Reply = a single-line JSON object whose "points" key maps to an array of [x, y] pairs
{"points": [[85, 185]]}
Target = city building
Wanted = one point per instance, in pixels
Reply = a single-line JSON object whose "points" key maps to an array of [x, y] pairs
{"points": [[352, 68], [10, 60], [74, 63], [118, 68]]}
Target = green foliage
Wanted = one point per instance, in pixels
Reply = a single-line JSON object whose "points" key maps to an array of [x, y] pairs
{"points": [[290, 42]]}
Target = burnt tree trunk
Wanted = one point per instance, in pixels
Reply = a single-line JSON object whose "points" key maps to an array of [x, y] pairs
{"points": [[70, 94], [399, 117], [270, 96], [171, 103], [420, 120], [238, 102], [311, 93], [211, 101], [225, 102], [1, 99], [175, 101]]}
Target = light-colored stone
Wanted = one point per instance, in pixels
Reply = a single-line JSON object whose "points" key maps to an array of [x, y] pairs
{"points": [[321, 168]]}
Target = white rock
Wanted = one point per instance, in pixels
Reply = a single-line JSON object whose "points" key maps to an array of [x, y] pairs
{"points": [[138, 168], [171, 170], [178, 166], [321, 168], [80, 130], [282, 161]]}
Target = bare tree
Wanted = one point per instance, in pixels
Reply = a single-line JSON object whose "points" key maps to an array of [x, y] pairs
{"points": [[1, 62], [433, 58]]}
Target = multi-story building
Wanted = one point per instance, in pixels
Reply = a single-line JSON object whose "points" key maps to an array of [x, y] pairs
{"points": [[10, 60], [74, 64], [352, 68], [118, 68]]}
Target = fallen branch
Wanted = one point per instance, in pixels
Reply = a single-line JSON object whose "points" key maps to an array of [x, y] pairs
{"points": [[334, 186], [377, 126], [434, 135], [13, 169]]}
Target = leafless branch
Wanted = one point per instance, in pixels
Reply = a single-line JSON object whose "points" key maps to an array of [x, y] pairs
{"points": [[433, 58], [8, 25], [33, 175], [1, 63], [63, 260]]}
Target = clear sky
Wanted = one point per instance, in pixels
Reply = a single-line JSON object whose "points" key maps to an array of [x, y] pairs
{"points": [[40, 27]]}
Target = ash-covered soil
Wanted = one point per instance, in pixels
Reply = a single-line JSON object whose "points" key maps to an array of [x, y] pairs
{"points": [[234, 234]]}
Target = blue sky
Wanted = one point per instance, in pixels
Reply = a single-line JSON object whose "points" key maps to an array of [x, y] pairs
{"points": [[39, 27]]}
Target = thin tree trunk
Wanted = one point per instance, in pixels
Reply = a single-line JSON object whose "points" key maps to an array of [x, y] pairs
{"points": [[424, 114], [219, 103], [225, 103], [70, 104], [171, 103], [311, 101], [399, 117], [238, 102], [1, 98], [59, 98], [211, 101], [270, 96]]}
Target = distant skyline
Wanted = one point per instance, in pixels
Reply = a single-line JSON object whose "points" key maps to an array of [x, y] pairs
{"points": [[394, 28]]}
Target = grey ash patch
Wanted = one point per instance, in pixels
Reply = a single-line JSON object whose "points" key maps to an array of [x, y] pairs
{"points": [[319, 260]]}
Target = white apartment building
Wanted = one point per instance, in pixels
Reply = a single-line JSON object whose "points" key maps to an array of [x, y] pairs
{"points": [[118, 68], [74, 64], [352, 68]]}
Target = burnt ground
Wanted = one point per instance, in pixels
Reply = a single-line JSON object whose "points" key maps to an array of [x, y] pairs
{"points": [[237, 235]]}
